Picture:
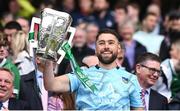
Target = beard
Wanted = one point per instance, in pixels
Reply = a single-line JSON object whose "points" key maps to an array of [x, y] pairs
{"points": [[107, 60]]}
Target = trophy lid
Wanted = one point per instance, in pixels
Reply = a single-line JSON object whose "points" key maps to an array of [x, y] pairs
{"points": [[58, 13]]}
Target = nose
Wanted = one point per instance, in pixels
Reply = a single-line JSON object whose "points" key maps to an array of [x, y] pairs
{"points": [[2, 83], [1, 48], [106, 45]]}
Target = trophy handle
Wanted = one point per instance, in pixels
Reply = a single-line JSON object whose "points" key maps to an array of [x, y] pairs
{"points": [[72, 31], [33, 35]]}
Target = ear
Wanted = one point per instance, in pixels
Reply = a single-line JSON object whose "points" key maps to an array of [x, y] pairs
{"points": [[96, 51], [138, 68], [119, 46], [38, 60]]}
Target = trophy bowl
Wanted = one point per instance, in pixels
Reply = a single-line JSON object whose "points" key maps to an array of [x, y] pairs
{"points": [[52, 32]]}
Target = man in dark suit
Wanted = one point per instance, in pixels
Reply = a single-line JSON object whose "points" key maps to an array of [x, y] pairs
{"points": [[30, 92], [148, 72], [15, 104], [32, 88], [7, 102]]}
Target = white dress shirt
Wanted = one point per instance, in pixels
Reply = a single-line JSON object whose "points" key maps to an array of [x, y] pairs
{"points": [[43, 92], [5, 105]]}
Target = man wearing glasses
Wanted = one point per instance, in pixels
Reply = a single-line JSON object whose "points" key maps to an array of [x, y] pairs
{"points": [[148, 71]]}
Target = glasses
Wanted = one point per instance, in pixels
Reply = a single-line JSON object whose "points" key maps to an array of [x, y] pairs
{"points": [[152, 70]]}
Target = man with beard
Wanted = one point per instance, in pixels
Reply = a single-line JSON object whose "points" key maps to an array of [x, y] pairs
{"points": [[116, 88]]}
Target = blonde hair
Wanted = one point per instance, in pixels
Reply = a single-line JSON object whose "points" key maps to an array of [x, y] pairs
{"points": [[19, 43]]}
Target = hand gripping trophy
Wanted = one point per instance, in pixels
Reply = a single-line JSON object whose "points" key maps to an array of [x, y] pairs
{"points": [[49, 40]]}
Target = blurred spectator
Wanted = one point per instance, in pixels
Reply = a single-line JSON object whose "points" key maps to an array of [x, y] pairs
{"points": [[22, 8], [68, 6], [120, 13], [84, 14], [148, 71], [149, 22], [168, 84], [133, 12], [132, 47], [92, 31], [10, 29], [7, 17], [79, 50], [144, 36], [4, 50], [90, 60], [155, 8], [21, 56], [44, 4], [103, 16], [6, 101], [24, 24], [172, 33], [63, 101], [14, 7], [7, 63], [120, 57]]}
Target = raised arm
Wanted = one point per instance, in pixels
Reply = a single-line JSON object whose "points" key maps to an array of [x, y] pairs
{"points": [[55, 84]]}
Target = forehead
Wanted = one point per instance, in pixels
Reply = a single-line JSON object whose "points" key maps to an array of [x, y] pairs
{"points": [[119, 10], [7, 31], [5, 74], [107, 37], [92, 27], [152, 63], [150, 17], [127, 26]]}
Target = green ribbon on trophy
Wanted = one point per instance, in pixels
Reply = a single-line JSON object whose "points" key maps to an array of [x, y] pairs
{"points": [[31, 36], [82, 77]]}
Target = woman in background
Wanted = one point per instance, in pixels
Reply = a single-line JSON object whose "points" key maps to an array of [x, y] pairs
{"points": [[20, 52]]}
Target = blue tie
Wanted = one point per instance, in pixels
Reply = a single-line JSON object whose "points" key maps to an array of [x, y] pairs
{"points": [[1, 105]]}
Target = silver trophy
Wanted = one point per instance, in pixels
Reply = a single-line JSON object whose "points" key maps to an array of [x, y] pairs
{"points": [[53, 30], [51, 39]]}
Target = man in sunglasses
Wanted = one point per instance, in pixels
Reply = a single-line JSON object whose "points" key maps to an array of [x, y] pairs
{"points": [[148, 71]]}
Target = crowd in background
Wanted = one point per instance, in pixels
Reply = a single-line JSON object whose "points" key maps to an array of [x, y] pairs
{"points": [[139, 33]]}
